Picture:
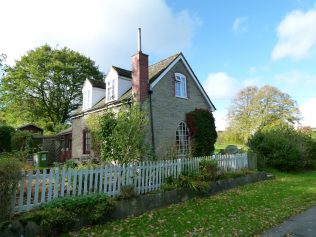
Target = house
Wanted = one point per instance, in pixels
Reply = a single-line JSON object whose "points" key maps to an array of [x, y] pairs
{"points": [[171, 89], [31, 128]]}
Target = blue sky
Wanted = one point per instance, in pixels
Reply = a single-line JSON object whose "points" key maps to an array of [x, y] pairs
{"points": [[229, 44]]}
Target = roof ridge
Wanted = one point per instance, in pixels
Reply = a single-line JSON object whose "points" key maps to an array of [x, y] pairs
{"points": [[120, 68], [176, 54]]}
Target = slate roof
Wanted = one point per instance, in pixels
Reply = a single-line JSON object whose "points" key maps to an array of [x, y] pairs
{"points": [[97, 83], [123, 72], [156, 69]]}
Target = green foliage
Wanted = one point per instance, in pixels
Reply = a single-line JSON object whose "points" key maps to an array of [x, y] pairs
{"points": [[208, 169], [62, 214], [53, 221], [229, 136], [202, 129], [120, 137], [127, 192], [44, 85], [193, 183], [6, 133], [284, 148], [2, 65], [9, 177], [254, 108], [25, 141]]}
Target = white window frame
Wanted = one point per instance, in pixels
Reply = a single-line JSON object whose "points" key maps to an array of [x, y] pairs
{"points": [[110, 90], [182, 140], [180, 87]]}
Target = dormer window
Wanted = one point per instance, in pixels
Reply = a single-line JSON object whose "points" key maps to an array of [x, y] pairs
{"points": [[180, 85], [110, 90]]}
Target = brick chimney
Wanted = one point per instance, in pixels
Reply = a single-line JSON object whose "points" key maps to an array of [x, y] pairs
{"points": [[140, 83]]}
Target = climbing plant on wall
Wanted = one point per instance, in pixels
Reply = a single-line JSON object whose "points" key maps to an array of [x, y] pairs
{"points": [[203, 133]]}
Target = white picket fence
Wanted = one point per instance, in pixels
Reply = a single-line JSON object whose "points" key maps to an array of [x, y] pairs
{"points": [[41, 186]]}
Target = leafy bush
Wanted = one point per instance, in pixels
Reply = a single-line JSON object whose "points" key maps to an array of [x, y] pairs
{"points": [[193, 183], [52, 220], [9, 178], [24, 144], [62, 214], [202, 128], [208, 169], [6, 133], [284, 148], [121, 137], [127, 192], [83, 205]]}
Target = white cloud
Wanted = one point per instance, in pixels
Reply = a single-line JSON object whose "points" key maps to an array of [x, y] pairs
{"points": [[220, 119], [220, 85], [296, 36], [308, 110], [296, 78], [103, 30], [239, 24]]}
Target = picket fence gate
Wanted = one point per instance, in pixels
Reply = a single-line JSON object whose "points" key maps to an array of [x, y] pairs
{"points": [[41, 186]]}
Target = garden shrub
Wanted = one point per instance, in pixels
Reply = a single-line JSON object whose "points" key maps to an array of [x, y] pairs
{"points": [[62, 214], [52, 221], [24, 144], [193, 183], [203, 134], [127, 192], [10, 175], [208, 169], [6, 133], [83, 205], [121, 137], [283, 148]]}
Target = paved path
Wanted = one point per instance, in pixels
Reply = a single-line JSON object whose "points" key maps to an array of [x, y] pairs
{"points": [[302, 225]]}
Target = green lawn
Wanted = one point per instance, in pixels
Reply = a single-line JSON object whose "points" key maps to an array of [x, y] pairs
{"points": [[244, 211], [222, 146]]}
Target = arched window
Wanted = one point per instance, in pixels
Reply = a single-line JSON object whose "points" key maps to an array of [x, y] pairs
{"points": [[182, 140]]}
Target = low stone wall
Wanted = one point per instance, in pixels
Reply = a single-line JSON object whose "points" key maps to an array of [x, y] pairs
{"points": [[140, 204], [144, 203]]}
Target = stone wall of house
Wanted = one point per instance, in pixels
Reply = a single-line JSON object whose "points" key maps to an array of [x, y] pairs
{"points": [[78, 125], [169, 110]]}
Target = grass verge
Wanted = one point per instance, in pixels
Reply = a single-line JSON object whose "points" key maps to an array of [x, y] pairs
{"points": [[244, 211]]}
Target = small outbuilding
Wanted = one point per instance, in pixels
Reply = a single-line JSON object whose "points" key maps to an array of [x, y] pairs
{"points": [[31, 128]]}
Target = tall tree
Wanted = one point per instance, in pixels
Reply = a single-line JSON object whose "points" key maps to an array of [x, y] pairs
{"points": [[255, 108], [45, 84]]}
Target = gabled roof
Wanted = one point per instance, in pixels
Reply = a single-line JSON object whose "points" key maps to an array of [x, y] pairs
{"points": [[30, 125], [97, 83], [122, 72]]}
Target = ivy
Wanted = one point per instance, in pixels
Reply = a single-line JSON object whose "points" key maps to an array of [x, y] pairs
{"points": [[203, 133]]}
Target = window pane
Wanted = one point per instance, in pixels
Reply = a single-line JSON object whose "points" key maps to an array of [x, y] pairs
{"points": [[182, 140], [178, 85]]}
